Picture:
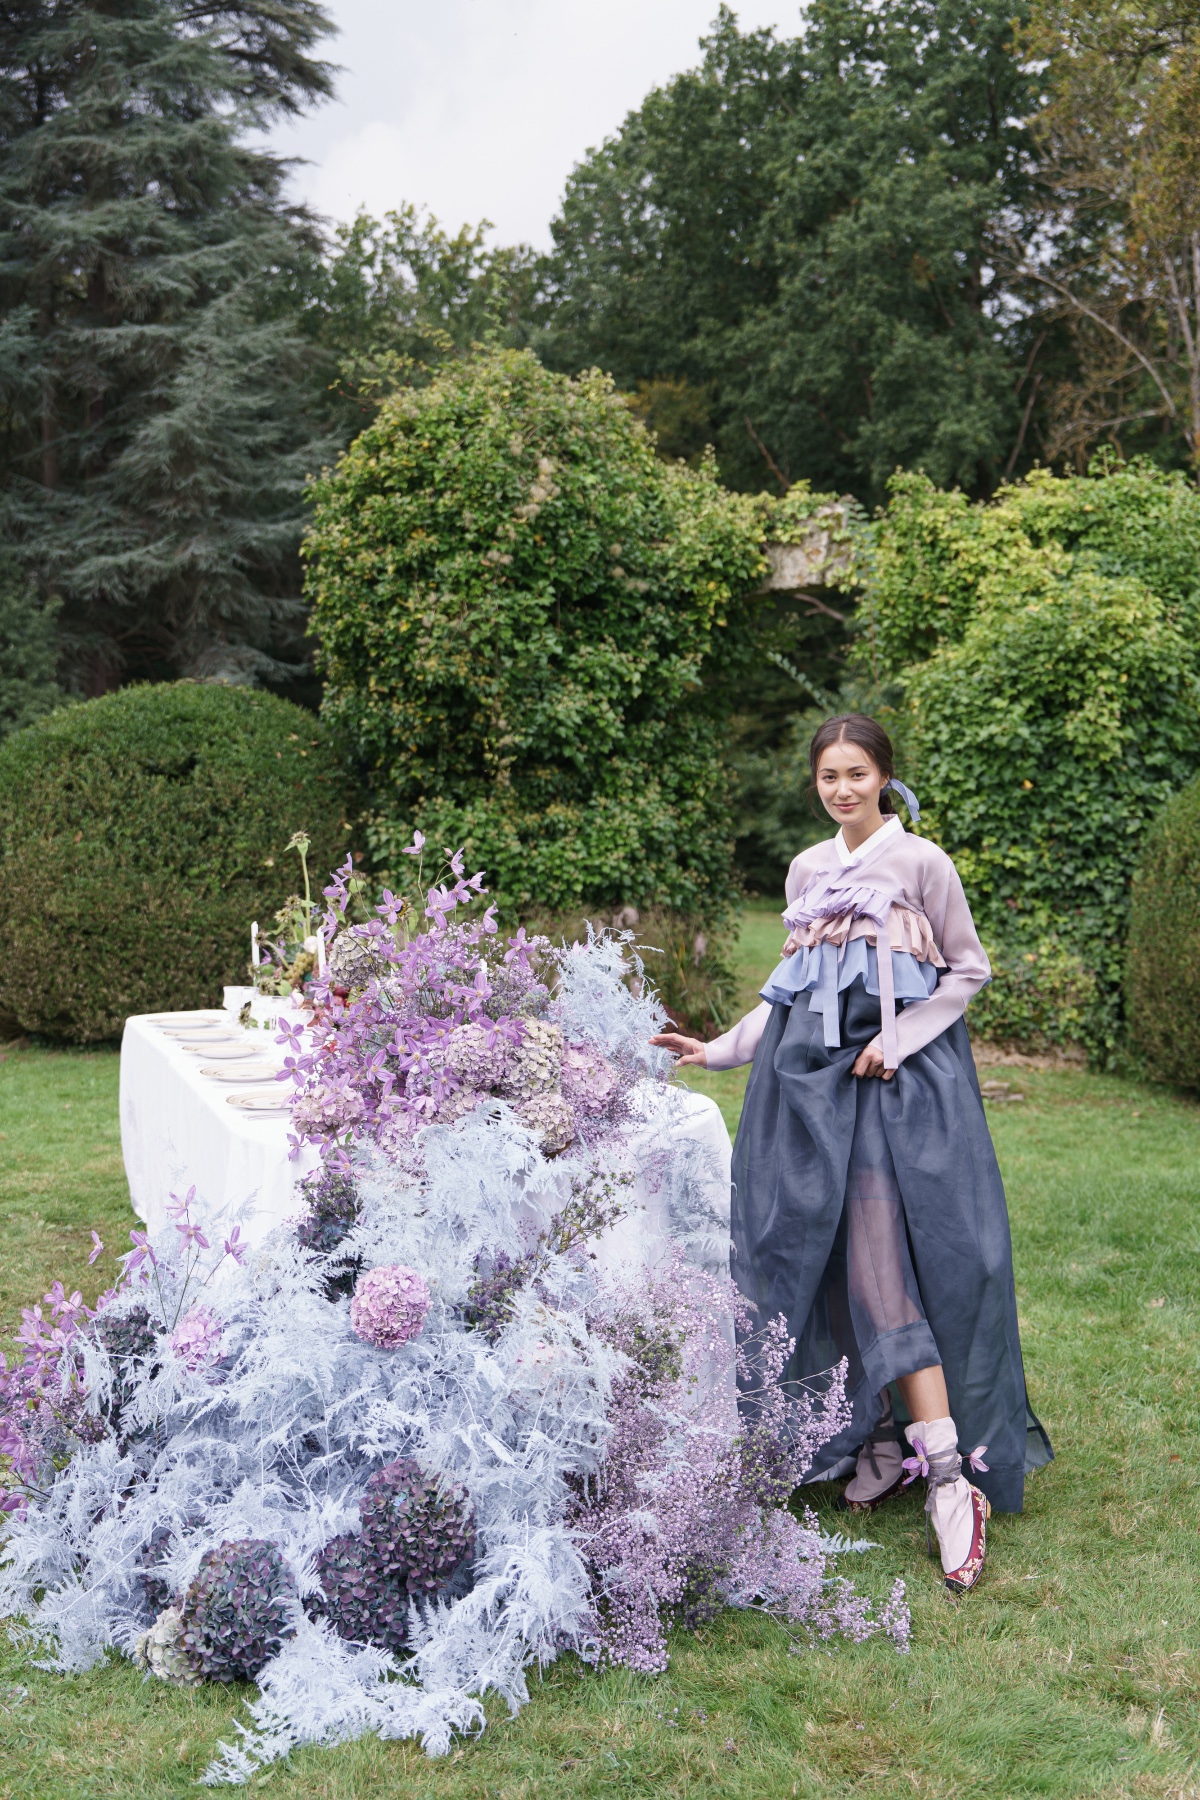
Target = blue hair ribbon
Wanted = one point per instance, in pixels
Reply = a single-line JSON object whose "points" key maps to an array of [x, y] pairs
{"points": [[909, 798]]}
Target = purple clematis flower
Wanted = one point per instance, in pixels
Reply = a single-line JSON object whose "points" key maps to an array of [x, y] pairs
{"points": [[917, 1464], [142, 1250]]}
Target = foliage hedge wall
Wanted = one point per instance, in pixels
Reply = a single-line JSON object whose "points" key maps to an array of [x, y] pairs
{"points": [[529, 626], [139, 835], [1046, 650], [1163, 983]]}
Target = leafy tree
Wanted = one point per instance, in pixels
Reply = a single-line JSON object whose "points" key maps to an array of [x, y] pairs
{"points": [[391, 299], [792, 242], [1113, 249], [154, 433], [529, 626]]}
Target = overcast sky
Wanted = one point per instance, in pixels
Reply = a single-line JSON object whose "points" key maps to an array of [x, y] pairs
{"points": [[480, 108]]}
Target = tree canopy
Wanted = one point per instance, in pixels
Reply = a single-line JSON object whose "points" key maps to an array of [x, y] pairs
{"points": [[797, 232], [156, 436]]}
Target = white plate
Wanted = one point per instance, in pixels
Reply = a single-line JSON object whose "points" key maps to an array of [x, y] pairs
{"points": [[240, 1072], [223, 1051], [198, 1030], [189, 1018], [257, 1103]]}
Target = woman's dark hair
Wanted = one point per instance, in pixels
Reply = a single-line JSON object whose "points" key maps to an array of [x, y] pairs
{"points": [[853, 728]]}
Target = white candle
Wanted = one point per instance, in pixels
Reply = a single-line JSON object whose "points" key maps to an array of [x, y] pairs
{"points": [[255, 958], [320, 953]]}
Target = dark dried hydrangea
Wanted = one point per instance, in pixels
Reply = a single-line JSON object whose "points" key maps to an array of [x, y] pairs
{"points": [[416, 1542], [357, 1603], [489, 1301], [127, 1337], [333, 1209], [151, 1559], [236, 1613]]}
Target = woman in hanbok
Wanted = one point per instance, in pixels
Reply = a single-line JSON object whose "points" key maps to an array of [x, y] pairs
{"points": [[867, 1202]]}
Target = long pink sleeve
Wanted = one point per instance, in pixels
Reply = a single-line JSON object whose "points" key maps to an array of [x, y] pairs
{"points": [[738, 1045], [968, 967]]}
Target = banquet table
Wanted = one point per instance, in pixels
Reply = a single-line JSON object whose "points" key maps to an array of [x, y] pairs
{"points": [[179, 1130]]}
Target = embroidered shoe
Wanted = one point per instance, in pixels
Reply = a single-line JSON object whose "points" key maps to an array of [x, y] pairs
{"points": [[962, 1579]]}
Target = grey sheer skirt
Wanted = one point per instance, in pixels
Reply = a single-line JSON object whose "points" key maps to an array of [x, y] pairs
{"points": [[872, 1215]]}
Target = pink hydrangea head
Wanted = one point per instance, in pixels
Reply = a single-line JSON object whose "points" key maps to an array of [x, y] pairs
{"points": [[550, 1115], [588, 1079], [196, 1339], [389, 1306]]}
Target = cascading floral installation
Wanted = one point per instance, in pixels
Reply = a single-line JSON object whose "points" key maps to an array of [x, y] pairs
{"points": [[424, 1438]]}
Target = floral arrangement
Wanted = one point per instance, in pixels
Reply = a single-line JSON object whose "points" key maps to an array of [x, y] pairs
{"points": [[423, 1439]]}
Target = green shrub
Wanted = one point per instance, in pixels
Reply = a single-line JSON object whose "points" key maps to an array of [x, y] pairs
{"points": [[139, 835], [1040, 998], [1057, 708], [529, 627], [1163, 978]]}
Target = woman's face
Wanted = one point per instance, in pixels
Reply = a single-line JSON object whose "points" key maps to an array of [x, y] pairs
{"points": [[849, 784]]}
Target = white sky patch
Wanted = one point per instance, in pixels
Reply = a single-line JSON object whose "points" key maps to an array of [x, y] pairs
{"points": [[481, 108]]}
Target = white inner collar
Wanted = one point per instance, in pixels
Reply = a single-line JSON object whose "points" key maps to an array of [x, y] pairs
{"points": [[873, 844]]}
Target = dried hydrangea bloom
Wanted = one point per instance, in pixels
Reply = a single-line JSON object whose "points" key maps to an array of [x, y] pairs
{"points": [[196, 1339], [160, 1653], [389, 1306], [458, 1104], [477, 1056], [354, 962], [589, 1080], [551, 1117], [534, 1066]]}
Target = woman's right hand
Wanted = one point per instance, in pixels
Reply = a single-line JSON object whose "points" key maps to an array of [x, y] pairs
{"points": [[688, 1050]]}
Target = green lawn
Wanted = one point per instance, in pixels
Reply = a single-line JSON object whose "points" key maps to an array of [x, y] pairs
{"points": [[1073, 1670]]}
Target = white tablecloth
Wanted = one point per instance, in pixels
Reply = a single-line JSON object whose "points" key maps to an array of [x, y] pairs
{"points": [[178, 1131]]}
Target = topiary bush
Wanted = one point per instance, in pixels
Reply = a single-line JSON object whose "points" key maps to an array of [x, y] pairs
{"points": [[139, 835], [237, 1612], [530, 628], [1163, 968]]}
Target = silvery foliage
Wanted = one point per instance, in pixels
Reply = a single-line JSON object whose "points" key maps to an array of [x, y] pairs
{"points": [[278, 1437]]}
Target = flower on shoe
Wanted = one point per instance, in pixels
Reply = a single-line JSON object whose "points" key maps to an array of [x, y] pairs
{"points": [[978, 1466], [917, 1464]]}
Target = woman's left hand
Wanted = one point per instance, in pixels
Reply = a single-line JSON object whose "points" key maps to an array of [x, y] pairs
{"points": [[870, 1062]]}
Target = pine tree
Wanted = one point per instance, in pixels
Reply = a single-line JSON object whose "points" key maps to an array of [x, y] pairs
{"points": [[155, 421], [28, 652]]}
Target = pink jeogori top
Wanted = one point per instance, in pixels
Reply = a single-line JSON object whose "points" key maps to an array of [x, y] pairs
{"points": [[895, 886]]}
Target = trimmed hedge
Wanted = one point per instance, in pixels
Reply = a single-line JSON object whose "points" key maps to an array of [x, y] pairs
{"points": [[1163, 968], [139, 835]]}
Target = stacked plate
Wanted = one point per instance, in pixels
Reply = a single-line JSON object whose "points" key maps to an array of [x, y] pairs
{"points": [[259, 1103], [197, 1019], [222, 1049], [244, 1074]]}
